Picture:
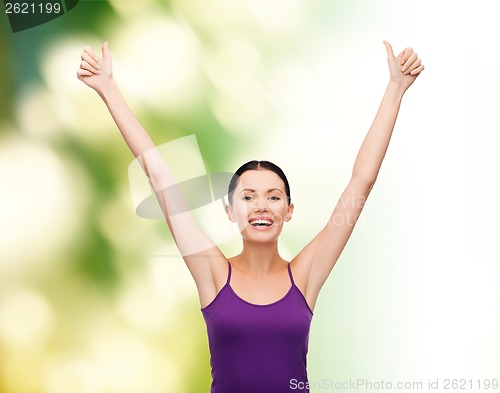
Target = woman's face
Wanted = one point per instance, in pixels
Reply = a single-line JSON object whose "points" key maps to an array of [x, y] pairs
{"points": [[260, 205]]}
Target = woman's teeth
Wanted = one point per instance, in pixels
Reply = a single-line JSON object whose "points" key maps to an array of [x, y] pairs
{"points": [[261, 223]]}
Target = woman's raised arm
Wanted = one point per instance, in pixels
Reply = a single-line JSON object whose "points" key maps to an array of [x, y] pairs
{"points": [[201, 254], [97, 73], [403, 69], [317, 259]]}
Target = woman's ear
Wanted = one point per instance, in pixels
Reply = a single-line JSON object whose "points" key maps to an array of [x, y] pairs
{"points": [[289, 213], [230, 212]]}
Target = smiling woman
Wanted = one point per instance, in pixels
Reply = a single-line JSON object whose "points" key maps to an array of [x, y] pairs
{"points": [[259, 195], [257, 306]]}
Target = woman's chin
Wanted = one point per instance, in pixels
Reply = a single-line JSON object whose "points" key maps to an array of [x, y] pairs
{"points": [[260, 234]]}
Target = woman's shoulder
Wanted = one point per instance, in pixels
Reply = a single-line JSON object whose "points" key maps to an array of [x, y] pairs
{"points": [[300, 273]]}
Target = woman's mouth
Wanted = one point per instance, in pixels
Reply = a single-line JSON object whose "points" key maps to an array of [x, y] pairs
{"points": [[260, 223]]}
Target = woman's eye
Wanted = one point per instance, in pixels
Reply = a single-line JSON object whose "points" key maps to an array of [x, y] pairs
{"points": [[275, 198], [247, 198]]}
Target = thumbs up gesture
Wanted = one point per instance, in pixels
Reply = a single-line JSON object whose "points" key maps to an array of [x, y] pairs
{"points": [[404, 68], [96, 72]]}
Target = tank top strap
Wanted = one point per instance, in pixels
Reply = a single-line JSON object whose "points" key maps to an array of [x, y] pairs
{"points": [[228, 273], [290, 273]]}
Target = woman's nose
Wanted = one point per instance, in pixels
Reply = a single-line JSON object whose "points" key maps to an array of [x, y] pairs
{"points": [[260, 205]]}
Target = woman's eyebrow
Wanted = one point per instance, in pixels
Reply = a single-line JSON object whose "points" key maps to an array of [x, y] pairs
{"points": [[252, 190]]}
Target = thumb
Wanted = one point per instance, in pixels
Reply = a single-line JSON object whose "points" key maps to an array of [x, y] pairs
{"points": [[105, 50], [390, 53]]}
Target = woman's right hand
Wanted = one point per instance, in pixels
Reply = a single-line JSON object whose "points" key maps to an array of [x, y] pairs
{"points": [[94, 71]]}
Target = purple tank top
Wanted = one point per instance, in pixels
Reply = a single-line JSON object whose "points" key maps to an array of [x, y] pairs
{"points": [[258, 348]]}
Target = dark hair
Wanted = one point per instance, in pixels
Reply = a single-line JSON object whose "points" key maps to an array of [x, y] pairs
{"points": [[256, 165]]}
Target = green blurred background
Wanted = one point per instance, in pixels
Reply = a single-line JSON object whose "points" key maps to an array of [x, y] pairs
{"points": [[95, 299]]}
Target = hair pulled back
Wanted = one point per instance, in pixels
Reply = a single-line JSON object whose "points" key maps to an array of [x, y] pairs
{"points": [[257, 165]]}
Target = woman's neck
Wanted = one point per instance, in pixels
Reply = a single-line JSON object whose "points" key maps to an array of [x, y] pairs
{"points": [[259, 259]]}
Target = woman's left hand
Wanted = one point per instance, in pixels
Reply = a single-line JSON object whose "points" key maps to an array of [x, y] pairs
{"points": [[404, 68]]}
